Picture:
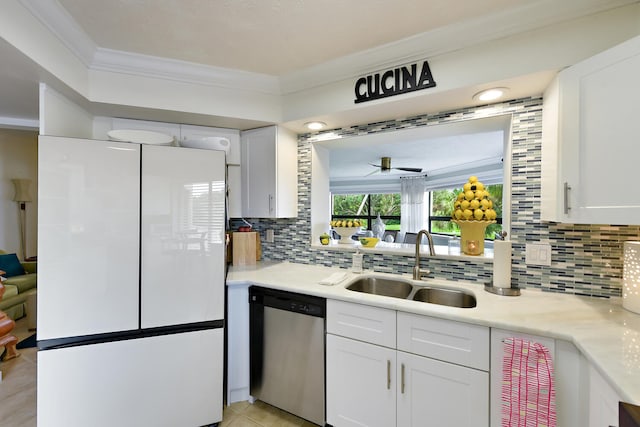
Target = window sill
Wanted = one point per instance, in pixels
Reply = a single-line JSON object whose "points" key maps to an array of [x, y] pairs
{"points": [[402, 249]]}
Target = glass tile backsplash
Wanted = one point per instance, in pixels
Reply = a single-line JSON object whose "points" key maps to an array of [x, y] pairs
{"points": [[586, 259]]}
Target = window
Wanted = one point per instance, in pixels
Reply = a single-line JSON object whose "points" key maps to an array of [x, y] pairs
{"points": [[441, 206], [367, 207]]}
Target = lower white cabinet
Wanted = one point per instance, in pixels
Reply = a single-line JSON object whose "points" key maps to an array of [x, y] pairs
{"points": [[238, 381], [570, 374], [603, 401], [436, 393], [373, 384], [361, 383]]}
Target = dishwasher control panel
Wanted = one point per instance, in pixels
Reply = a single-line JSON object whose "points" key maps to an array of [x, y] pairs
{"points": [[288, 301], [301, 307]]}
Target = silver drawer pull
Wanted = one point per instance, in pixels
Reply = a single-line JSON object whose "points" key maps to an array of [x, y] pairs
{"points": [[388, 374], [402, 379], [567, 208]]}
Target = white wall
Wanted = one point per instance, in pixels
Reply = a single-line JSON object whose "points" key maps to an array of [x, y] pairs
{"points": [[549, 48], [18, 159], [61, 117]]}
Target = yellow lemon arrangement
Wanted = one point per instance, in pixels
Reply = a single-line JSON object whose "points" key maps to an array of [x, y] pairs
{"points": [[346, 228], [473, 212], [346, 223]]}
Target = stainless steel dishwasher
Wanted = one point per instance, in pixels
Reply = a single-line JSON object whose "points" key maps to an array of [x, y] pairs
{"points": [[287, 351]]}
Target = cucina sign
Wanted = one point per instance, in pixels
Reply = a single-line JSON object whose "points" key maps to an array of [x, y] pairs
{"points": [[392, 82]]}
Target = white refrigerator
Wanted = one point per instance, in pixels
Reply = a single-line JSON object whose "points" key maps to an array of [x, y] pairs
{"points": [[131, 266]]}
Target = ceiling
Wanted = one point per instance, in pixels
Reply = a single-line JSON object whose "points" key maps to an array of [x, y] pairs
{"points": [[275, 37], [284, 38]]}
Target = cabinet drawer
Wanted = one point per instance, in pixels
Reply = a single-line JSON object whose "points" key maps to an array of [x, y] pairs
{"points": [[362, 322], [455, 342]]}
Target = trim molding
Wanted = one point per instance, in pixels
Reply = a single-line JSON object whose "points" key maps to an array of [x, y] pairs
{"points": [[422, 46], [64, 27], [18, 123], [118, 61]]}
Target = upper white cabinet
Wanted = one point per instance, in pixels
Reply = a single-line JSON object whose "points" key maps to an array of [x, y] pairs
{"points": [[590, 131], [234, 188], [269, 173]]}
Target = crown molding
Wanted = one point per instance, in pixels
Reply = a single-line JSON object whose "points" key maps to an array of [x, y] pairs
{"points": [[419, 47], [64, 27], [445, 40], [171, 69]]}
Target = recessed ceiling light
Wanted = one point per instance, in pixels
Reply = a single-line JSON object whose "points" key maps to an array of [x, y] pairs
{"points": [[490, 94], [315, 125]]}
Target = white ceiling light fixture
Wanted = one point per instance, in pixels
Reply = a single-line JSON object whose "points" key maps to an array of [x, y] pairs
{"points": [[315, 125], [490, 94]]}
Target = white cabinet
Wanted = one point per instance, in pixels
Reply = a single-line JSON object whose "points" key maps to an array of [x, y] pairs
{"points": [[374, 379], [269, 173], [456, 342], [603, 401], [361, 383], [589, 148], [436, 393], [450, 385], [238, 343], [234, 191], [570, 374]]}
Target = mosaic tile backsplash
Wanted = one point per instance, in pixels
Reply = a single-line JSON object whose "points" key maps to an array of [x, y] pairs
{"points": [[586, 259]]}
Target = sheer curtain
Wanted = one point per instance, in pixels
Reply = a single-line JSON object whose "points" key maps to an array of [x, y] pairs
{"points": [[412, 203]]}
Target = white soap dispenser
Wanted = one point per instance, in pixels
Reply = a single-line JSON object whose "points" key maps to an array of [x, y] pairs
{"points": [[356, 265]]}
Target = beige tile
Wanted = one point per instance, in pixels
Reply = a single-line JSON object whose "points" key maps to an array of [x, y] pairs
{"points": [[262, 413], [242, 421], [239, 407]]}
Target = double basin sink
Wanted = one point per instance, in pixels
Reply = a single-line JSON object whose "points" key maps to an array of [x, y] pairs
{"points": [[397, 288]]}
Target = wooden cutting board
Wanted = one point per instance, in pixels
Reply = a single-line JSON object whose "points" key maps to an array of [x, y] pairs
{"points": [[244, 247]]}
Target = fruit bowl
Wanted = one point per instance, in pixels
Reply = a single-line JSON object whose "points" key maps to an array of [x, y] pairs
{"points": [[369, 242], [346, 233]]}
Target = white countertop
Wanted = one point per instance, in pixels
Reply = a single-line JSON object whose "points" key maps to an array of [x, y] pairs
{"points": [[606, 334]]}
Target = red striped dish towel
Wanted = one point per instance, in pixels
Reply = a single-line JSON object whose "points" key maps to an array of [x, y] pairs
{"points": [[528, 394]]}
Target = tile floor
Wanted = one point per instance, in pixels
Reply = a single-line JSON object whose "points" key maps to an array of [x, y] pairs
{"points": [[18, 396]]}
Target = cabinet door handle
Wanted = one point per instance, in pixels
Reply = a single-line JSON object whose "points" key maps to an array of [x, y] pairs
{"points": [[388, 374], [270, 203], [402, 378], [567, 208]]}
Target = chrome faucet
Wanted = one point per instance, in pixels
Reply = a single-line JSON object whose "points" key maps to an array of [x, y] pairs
{"points": [[419, 273]]}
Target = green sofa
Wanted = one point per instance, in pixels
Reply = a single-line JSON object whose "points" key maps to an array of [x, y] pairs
{"points": [[17, 288]]}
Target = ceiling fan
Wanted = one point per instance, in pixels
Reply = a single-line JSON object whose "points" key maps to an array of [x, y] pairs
{"points": [[385, 167]]}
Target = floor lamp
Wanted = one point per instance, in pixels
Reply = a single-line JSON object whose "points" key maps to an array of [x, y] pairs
{"points": [[22, 196]]}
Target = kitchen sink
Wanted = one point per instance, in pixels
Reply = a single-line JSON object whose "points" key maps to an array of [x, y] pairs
{"points": [[396, 288], [442, 296], [382, 286]]}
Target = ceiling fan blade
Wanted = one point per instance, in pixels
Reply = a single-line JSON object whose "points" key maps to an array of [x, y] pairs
{"points": [[371, 173], [409, 169]]}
